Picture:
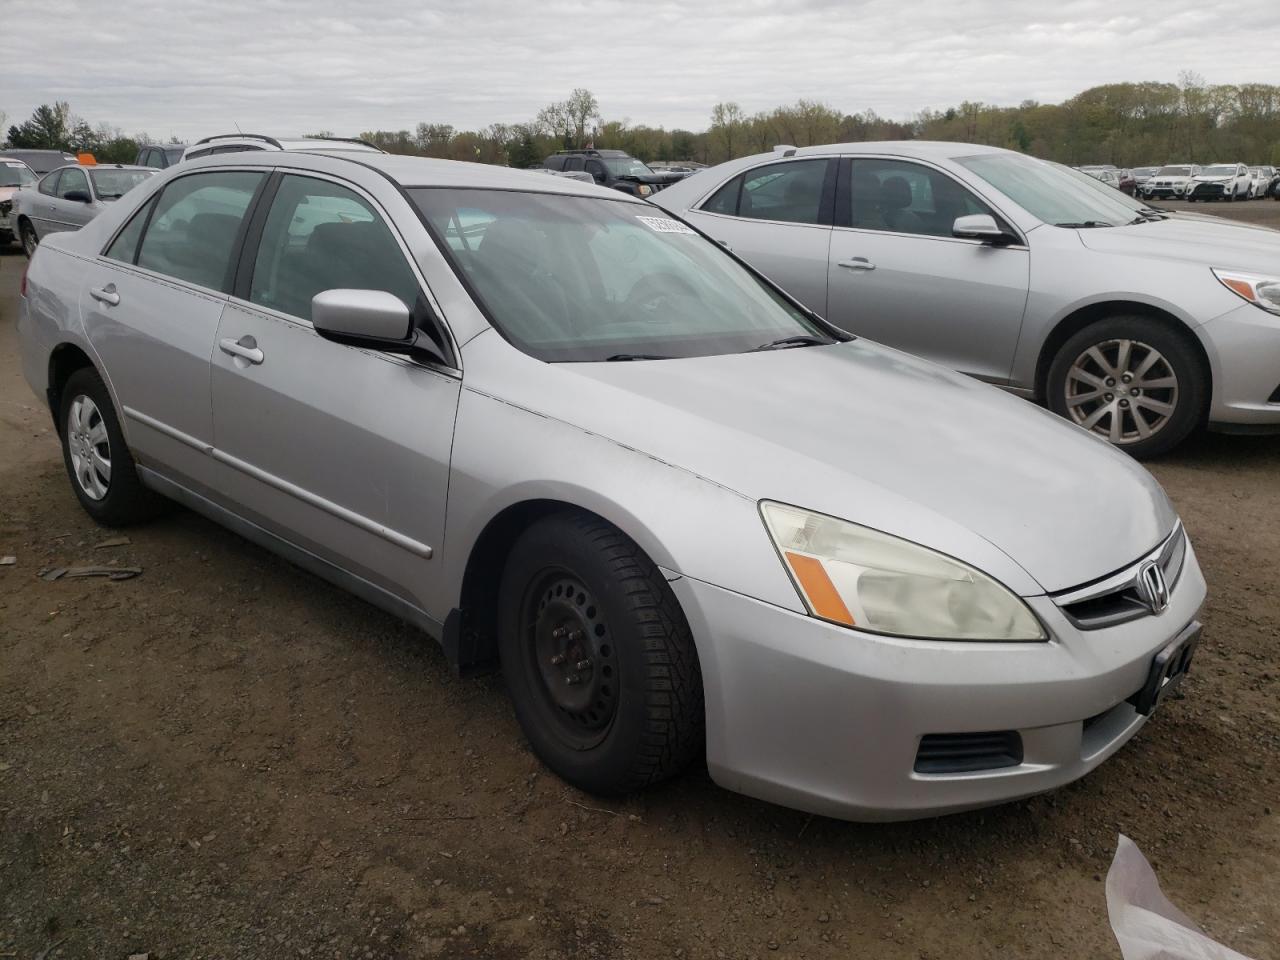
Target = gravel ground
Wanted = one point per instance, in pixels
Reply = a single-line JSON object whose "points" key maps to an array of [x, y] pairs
{"points": [[226, 758]]}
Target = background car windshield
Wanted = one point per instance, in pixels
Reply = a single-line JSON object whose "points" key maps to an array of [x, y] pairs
{"points": [[15, 175], [112, 184], [1220, 171], [581, 279], [1050, 192], [174, 154], [1174, 172], [626, 167]]}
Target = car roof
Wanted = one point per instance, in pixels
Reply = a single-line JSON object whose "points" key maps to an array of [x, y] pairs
{"points": [[263, 142], [104, 166]]}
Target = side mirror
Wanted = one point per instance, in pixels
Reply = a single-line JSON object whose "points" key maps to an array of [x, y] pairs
{"points": [[371, 318], [980, 226], [78, 196]]}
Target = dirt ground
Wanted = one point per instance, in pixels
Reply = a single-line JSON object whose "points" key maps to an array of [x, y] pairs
{"points": [[226, 758]]}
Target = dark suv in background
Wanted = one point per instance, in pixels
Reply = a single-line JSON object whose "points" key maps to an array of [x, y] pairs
{"points": [[613, 168], [160, 155]]}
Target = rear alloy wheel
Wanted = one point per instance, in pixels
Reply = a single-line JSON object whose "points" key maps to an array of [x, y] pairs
{"points": [[598, 657], [1133, 381], [30, 241]]}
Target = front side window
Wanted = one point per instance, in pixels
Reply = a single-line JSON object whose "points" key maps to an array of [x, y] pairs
{"points": [[904, 197], [193, 231], [1053, 193], [49, 183], [111, 184], [586, 279], [790, 192], [72, 179], [321, 236], [14, 174]]}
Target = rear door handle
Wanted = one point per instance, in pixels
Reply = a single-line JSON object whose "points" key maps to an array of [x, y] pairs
{"points": [[105, 294], [858, 263], [246, 348]]}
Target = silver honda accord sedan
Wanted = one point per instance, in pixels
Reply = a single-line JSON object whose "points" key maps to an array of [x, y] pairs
{"points": [[561, 431], [1136, 323]]}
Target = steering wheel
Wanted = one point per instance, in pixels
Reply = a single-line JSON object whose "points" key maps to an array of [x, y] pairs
{"points": [[653, 288]]}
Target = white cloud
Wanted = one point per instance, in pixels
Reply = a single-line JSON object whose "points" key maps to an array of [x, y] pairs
{"points": [[195, 67]]}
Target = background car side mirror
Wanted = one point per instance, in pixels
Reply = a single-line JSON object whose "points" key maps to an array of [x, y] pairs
{"points": [[371, 318], [980, 226], [78, 196]]}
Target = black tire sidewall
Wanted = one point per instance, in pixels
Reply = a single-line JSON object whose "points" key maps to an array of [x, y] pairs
{"points": [[609, 767], [1176, 348]]}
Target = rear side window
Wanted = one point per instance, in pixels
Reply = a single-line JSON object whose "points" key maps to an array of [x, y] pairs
{"points": [[125, 246], [790, 192], [194, 228], [554, 163], [321, 236], [725, 200]]}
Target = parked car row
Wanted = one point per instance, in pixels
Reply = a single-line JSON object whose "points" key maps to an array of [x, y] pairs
{"points": [[615, 169], [562, 428], [1188, 181]]}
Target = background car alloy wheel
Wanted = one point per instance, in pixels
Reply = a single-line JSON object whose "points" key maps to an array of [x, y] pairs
{"points": [[89, 448], [1122, 390], [29, 239]]}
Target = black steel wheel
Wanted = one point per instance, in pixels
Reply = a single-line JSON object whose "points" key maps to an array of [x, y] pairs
{"points": [[598, 656]]}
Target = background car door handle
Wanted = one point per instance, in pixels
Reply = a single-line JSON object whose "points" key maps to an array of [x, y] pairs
{"points": [[858, 263], [246, 348], [105, 294]]}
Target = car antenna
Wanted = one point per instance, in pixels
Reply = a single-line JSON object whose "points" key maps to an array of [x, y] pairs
{"points": [[238, 130]]}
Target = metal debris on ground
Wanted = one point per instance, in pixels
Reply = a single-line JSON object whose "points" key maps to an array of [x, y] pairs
{"points": [[8, 561], [71, 573], [113, 542]]}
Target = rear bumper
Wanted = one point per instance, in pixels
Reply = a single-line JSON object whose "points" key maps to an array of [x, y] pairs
{"points": [[829, 720]]}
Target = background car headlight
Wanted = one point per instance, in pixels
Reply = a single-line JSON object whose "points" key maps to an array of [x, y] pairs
{"points": [[644, 190], [1261, 291], [863, 578]]}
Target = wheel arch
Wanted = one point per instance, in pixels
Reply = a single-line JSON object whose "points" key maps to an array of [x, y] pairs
{"points": [[1075, 321], [64, 360]]}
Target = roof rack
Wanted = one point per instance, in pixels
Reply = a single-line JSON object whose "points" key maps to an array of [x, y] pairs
{"points": [[363, 143], [242, 136]]}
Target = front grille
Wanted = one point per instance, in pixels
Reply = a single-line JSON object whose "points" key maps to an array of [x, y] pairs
{"points": [[1115, 599], [966, 752]]}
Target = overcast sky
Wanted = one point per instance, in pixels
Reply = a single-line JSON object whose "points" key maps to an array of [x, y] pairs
{"points": [[194, 67]]}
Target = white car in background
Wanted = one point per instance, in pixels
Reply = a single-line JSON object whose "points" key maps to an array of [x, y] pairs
{"points": [[1170, 181], [1262, 177], [14, 175], [1221, 181]]}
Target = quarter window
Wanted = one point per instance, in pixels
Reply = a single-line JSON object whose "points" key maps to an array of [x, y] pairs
{"points": [[321, 236], [125, 246], [193, 231], [725, 199], [790, 192], [903, 197]]}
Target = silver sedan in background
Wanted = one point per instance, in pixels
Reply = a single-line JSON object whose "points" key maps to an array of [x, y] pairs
{"points": [[556, 428], [69, 197], [1137, 324]]}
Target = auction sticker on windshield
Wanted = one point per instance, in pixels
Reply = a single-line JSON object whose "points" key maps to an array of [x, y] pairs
{"points": [[664, 225]]}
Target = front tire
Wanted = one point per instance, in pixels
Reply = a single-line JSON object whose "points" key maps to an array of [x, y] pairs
{"points": [[30, 240], [1134, 381], [102, 471], [598, 657]]}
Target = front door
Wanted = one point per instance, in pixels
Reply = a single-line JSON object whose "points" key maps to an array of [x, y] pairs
{"points": [[342, 451], [898, 276]]}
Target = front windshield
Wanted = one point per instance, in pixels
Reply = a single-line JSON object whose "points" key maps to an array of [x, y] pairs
{"points": [[626, 167], [113, 184], [1218, 171], [583, 279], [1053, 193], [1174, 172], [15, 174]]}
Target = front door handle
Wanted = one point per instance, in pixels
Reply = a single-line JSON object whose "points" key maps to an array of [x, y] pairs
{"points": [[858, 263], [105, 294], [246, 349]]}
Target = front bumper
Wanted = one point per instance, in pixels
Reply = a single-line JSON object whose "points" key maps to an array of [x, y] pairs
{"points": [[1244, 357], [829, 720], [1208, 191], [1163, 191]]}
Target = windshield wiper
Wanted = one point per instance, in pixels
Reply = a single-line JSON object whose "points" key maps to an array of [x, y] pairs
{"points": [[635, 356], [803, 340], [1085, 223]]}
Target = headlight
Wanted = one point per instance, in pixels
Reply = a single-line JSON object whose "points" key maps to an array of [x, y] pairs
{"points": [[644, 190], [869, 580], [1261, 291]]}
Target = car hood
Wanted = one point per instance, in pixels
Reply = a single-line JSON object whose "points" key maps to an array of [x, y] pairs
{"points": [[6, 193], [1194, 238], [878, 437]]}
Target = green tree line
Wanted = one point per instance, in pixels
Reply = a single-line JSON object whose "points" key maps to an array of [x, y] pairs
{"points": [[1128, 124]]}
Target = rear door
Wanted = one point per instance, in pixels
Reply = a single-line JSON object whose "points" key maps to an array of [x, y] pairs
{"points": [[899, 277], [151, 306], [777, 217], [342, 451]]}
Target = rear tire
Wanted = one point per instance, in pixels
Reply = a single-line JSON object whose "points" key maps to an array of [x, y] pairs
{"points": [[103, 474], [1162, 401], [598, 657]]}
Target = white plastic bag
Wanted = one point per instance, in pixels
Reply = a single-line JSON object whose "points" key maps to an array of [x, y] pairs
{"points": [[1146, 924]]}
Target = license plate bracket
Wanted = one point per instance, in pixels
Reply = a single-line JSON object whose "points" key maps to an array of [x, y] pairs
{"points": [[1168, 669]]}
